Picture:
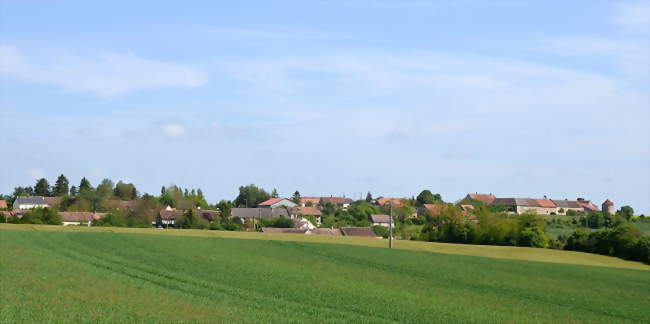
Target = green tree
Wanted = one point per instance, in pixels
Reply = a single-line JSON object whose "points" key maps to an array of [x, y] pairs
{"points": [[105, 188], [368, 197], [426, 197], [62, 186], [22, 192], [627, 212], [42, 187], [112, 219], [251, 195], [296, 197], [125, 191], [73, 191], [84, 185], [274, 193]]}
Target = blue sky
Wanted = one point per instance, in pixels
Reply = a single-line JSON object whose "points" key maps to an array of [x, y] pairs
{"points": [[517, 98]]}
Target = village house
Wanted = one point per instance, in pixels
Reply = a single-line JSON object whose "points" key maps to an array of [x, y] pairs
{"points": [[433, 209], [306, 211], [80, 218], [339, 201], [381, 220], [485, 198], [276, 203], [22, 203], [396, 202], [309, 201], [522, 205], [3, 204], [563, 206], [259, 213]]}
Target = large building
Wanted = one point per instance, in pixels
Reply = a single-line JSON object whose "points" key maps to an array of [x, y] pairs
{"points": [[542, 206]]}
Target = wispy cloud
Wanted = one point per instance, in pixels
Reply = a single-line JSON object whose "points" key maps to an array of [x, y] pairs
{"points": [[634, 15], [105, 74]]}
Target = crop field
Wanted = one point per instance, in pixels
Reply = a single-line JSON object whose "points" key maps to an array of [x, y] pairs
{"points": [[86, 276]]}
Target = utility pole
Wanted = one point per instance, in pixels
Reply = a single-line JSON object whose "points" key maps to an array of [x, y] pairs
{"points": [[390, 228]]}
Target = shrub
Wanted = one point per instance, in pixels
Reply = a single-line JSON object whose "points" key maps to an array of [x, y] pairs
{"points": [[114, 220]]}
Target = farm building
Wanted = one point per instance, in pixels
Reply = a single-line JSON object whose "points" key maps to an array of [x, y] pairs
{"points": [[306, 211], [276, 203], [258, 213], [79, 218], [381, 220], [22, 203]]}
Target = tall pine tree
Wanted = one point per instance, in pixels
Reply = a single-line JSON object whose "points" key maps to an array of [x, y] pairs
{"points": [[62, 186]]}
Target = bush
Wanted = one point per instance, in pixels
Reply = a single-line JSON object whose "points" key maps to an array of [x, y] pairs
{"points": [[114, 220], [44, 215], [623, 241], [381, 231]]}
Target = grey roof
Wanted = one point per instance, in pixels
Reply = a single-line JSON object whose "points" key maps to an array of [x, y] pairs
{"points": [[567, 203], [249, 213], [380, 218], [505, 201], [30, 201]]}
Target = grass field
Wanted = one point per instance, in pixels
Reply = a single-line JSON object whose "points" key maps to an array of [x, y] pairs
{"points": [[501, 252], [86, 276]]}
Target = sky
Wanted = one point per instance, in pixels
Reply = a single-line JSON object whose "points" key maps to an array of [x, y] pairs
{"points": [[515, 98]]}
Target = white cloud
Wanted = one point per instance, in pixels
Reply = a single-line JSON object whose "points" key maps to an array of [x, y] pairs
{"points": [[106, 74], [634, 15], [174, 130]]}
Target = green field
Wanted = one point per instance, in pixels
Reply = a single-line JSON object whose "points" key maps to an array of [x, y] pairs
{"points": [[85, 276]]}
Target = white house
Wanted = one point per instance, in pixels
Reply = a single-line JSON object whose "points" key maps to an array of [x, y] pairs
{"points": [[22, 203], [381, 220]]}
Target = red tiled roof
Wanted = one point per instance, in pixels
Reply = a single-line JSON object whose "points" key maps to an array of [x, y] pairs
{"points": [[545, 203], [588, 205], [435, 209], [336, 200], [52, 200], [397, 202], [3, 204], [309, 211], [80, 216], [467, 207], [486, 198], [314, 200], [608, 203], [270, 201]]}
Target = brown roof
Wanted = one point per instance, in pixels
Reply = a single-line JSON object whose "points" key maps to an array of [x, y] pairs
{"points": [[208, 215], [52, 200], [170, 214], [80, 216], [486, 198], [3, 204], [567, 204], [249, 213], [283, 230], [467, 207], [314, 200], [435, 209], [358, 231], [608, 203], [587, 205], [380, 218], [336, 200], [545, 203], [309, 211], [327, 231], [395, 201]]}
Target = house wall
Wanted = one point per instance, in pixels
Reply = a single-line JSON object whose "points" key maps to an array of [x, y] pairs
{"points": [[537, 210], [29, 206], [579, 210], [382, 224]]}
